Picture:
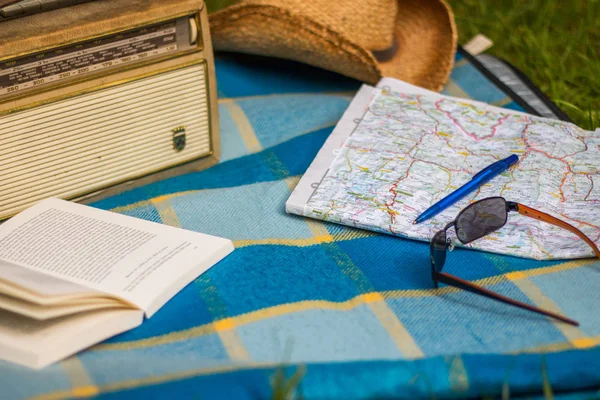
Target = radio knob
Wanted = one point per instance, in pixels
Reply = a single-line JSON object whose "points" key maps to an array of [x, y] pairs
{"points": [[193, 30]]}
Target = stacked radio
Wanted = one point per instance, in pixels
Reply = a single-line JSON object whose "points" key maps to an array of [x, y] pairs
{"points": [[101, 94]]}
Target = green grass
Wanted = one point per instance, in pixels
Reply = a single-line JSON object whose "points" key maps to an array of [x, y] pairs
{"points": [[215, 5], [556, 43]]}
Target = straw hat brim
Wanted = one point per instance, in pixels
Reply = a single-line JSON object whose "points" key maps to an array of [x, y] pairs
{"points": [[4, 3], [422, 52]]}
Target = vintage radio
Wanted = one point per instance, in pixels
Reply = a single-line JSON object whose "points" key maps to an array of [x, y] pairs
{"points": [[97, 95]]}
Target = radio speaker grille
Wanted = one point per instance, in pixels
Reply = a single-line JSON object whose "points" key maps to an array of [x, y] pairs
{"points": [[91, 141]]}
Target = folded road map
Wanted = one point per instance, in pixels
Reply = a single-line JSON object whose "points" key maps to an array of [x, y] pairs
{"points": [[399, 149]]}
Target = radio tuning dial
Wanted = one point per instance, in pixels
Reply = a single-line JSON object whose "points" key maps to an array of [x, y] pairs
{"points": [[193, 30]]}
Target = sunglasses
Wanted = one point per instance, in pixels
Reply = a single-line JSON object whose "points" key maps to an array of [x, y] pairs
{"points": [[478, 220]]}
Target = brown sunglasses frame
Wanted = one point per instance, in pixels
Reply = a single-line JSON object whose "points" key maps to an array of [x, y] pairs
{"points": [[468, 286]]}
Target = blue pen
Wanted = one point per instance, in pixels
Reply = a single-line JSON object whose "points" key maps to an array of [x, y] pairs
{"points": [[479, 179]]}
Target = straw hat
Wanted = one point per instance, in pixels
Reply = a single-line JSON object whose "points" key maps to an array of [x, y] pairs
{"points": [[412, 40], [4, 3]]}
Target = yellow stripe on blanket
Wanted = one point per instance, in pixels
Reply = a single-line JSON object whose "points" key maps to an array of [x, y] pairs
{"points": [[348, 305]]}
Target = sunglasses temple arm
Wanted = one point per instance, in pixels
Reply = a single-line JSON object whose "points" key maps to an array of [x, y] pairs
{"points": [[468, 286], [535, 214]]}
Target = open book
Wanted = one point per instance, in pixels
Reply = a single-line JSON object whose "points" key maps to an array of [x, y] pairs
{"points": [[72, 276]]}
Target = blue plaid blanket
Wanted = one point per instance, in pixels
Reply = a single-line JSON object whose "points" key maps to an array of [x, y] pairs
{"points": [[306, 309]]}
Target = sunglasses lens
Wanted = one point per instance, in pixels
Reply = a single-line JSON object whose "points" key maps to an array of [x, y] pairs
{"points": [[480, 219], [438, 251]]}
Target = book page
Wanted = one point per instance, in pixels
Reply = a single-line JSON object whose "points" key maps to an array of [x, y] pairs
{"points": [[37, 344], [142, 262], [45, 312], [41, 288]]}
